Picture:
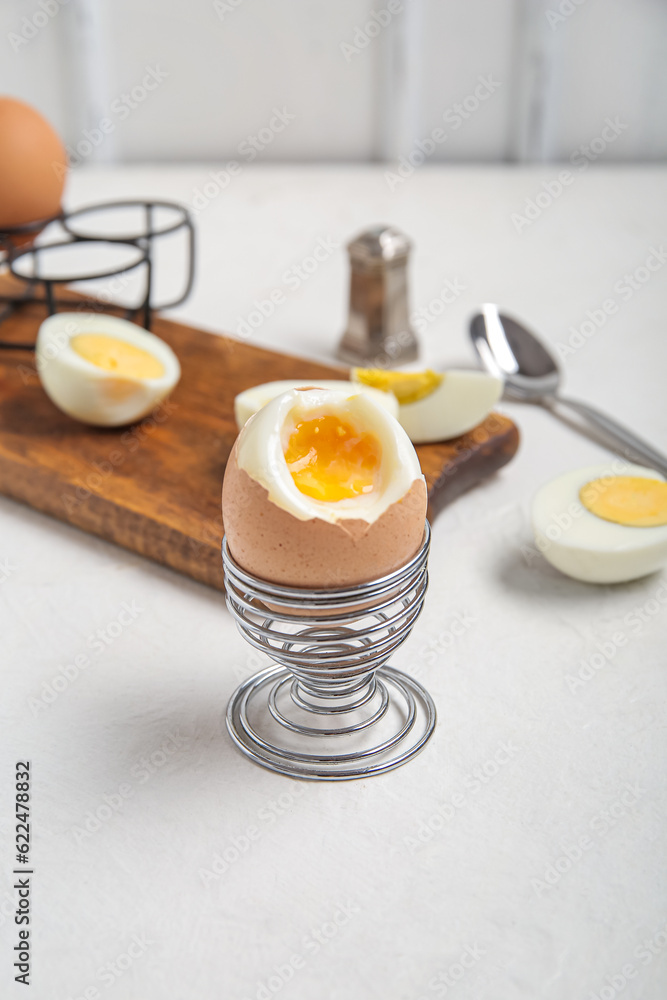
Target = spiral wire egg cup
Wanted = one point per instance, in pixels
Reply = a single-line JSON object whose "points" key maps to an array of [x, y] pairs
{"points": [[330, 709]]}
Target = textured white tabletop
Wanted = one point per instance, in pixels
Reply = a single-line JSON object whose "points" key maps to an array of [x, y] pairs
{"points": [[522, 855]]}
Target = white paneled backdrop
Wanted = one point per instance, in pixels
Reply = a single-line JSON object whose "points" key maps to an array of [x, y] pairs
{"points": [[354, 80]]}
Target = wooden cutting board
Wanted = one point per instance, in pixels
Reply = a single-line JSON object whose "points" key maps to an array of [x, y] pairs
{"points": [[155, 487]]}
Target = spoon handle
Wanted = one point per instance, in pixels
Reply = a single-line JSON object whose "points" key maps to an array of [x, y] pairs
{"points": [[623, 438]]}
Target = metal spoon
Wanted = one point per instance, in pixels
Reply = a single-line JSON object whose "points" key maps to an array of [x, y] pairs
{"points": [[511, 352]]}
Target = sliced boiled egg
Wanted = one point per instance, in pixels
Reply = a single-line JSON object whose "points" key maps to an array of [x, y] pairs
{"points": [[323, 489], [436, 406], [252, 400], [600, 527], [103, 370]]}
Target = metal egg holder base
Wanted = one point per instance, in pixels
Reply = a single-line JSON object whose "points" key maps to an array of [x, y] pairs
{"points": [[330, 709]]}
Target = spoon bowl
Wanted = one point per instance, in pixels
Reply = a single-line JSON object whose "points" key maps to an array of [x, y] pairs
{"points": [[510, 351]]}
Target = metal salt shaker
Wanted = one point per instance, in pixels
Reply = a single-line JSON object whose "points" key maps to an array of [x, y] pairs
{"points": [[378, 332]]}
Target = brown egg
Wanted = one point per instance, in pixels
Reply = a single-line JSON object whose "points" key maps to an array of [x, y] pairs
{"points": [[33, 165], [268, 539]]}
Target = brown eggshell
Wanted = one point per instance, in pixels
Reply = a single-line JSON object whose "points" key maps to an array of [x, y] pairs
{"points": [[272, 544], [33, 165]]}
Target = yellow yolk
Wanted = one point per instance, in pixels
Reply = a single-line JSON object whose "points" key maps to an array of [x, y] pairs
{"points": [[117, 356], [629, 500], [329, 460], [408, 387]]}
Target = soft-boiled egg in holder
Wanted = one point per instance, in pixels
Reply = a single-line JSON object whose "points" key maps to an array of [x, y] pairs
{"points": [[601, 527], [323, 488], [325, 559], [103, 370]]}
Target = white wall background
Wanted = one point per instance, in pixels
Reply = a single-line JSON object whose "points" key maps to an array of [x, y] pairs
{"points": [[559, 69]]}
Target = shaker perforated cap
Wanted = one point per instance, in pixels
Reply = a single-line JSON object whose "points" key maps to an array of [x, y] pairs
{"points": [[379, 245]]}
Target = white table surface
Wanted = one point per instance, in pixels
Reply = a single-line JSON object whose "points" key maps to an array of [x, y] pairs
{"points": [[373, 888]]}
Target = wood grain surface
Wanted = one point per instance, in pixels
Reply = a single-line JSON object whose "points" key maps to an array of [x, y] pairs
{"points": [[155, 487]]}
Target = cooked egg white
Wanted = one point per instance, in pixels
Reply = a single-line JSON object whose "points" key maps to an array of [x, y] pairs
{"points": [[603, 528], [436, 406], [323, 489], [103, 370], [252, 400], [264, 448]]}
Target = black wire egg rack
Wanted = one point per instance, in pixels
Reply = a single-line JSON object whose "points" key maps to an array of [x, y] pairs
{"points": [[41, 266]]}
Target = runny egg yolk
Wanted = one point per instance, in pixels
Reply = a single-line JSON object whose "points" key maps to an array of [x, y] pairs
{"points": [[330, 460], [117, 356], [629, 500]]}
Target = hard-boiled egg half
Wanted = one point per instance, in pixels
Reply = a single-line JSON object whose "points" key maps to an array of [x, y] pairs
{"points": [[600, 527], [103, 370], [436, 406], [252, 400], [323, 489]]}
